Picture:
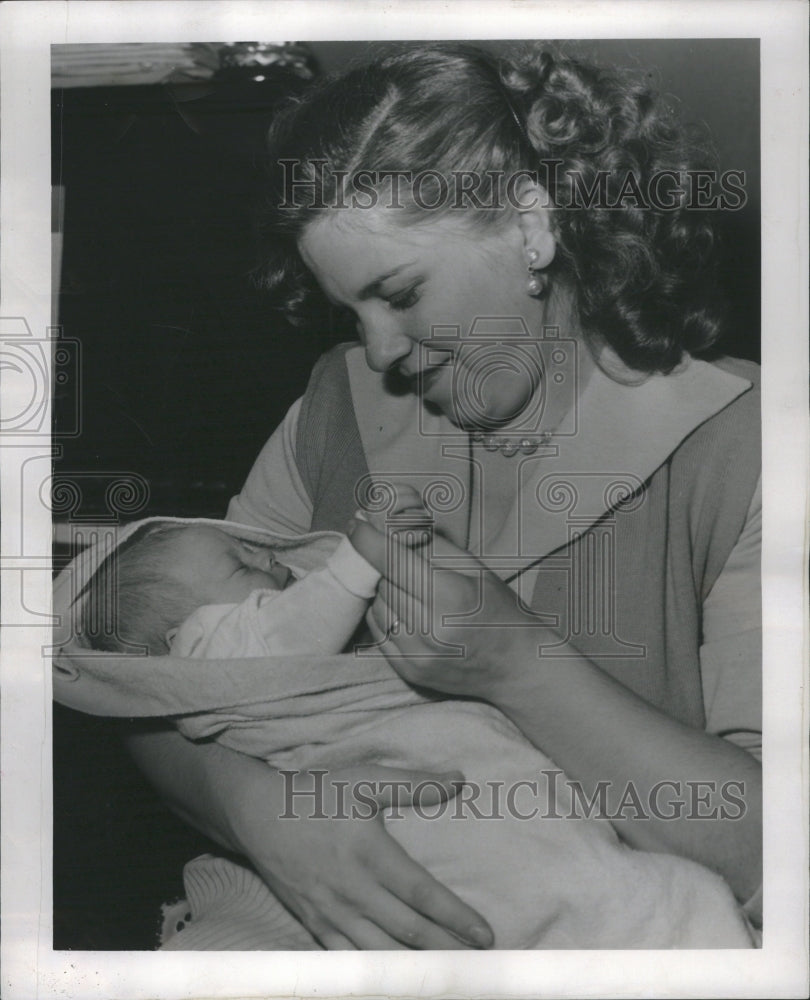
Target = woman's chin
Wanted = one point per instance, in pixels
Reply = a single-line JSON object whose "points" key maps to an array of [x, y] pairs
{"points": [[468, 423], [439, 393]]}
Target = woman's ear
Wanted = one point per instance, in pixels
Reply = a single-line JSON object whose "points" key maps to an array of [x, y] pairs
{"points": [[534, 219]]}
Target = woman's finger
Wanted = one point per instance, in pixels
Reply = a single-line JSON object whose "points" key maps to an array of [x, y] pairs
{"points": [[401, 645], [410, 928], [381, 616], [335, 941], [389, 623], [374, 918], [419, 891], [401, 786], [369, 936], [394, 638], [356, 932], [397, 610]]}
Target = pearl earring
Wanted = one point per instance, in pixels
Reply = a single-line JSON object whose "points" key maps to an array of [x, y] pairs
{"points": [[536, 284]]}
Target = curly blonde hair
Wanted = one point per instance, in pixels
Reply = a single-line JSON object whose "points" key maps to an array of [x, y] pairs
{"points": [[640, 272]]}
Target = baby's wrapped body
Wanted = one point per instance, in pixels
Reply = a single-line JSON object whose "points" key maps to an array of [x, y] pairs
{"points": [[514, 843], [543, 881]]}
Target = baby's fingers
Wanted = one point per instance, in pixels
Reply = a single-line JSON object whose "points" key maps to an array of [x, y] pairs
{"points": [[383, 552]]}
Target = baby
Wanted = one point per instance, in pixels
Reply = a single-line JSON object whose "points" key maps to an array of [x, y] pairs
{"points": [[246, 650], [195, 591]]}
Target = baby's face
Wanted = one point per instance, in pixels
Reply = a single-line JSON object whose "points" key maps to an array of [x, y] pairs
{"points": [[219, 569]]}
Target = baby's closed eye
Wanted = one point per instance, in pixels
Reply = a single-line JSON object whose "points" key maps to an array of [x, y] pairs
{"points": [[258, 557]]}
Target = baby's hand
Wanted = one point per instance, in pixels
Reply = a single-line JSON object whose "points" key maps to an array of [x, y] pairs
{"points": [[407, 504]]}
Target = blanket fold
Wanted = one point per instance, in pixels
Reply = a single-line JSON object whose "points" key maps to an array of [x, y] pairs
{"points": [[512, 843]]}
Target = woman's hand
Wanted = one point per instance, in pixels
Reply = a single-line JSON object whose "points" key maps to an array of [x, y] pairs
{"points": [[347, 879], [459, 630], [598, 731]]}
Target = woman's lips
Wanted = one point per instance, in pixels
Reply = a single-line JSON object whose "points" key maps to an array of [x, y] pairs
{"points": [[425, 379]]}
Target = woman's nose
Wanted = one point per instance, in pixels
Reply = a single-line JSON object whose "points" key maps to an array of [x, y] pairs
{"points": [[384, 344]]}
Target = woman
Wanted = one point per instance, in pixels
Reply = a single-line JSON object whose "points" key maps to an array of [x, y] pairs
{"points": [[531, 290]]}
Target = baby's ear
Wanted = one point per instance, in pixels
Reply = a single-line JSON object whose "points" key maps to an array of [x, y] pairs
{"points": [[170, 636]]}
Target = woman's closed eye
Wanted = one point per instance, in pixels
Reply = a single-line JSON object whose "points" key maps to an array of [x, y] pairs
{"points": [[405, 299]]}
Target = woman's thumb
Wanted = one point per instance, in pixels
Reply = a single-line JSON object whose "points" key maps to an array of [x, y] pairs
{"points": [[395, 787]]}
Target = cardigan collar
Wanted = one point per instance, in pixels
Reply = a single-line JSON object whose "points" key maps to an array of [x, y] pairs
{"points": [[611, 440]]}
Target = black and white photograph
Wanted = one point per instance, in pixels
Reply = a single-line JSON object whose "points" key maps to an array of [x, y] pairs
{"points": [[385, 498]]}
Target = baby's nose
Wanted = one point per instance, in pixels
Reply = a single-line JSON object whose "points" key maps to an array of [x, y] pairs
{"points": [[261, 558]]}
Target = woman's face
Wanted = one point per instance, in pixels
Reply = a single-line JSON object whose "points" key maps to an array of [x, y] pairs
{"points": [[402, 282]]}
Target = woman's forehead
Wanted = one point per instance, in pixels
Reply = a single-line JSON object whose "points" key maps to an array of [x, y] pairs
{"points": [[347, 248], [338, 228]]}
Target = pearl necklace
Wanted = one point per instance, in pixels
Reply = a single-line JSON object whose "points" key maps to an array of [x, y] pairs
{"points": [[510, 446]]}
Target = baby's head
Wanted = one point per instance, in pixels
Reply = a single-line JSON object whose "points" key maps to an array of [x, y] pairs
{"points": [[150, 586]]}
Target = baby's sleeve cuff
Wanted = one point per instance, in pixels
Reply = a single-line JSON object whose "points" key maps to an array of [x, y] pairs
{"points": [[356, 574]]}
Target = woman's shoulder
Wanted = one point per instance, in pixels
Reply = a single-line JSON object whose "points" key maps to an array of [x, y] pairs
{"points": [[720, 462], [738, 366], [330, 365], [735, 426], [327, 395], [741, 419]]}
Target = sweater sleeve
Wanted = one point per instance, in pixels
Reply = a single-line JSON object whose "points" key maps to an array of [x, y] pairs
{"points": [[274, 495], [731, 654]]}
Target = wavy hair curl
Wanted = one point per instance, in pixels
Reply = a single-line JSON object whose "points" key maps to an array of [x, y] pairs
{"points": [[641, 276]]}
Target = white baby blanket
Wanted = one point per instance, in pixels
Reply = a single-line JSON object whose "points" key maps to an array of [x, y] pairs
{"points": [[541, 882], [544, 881]]}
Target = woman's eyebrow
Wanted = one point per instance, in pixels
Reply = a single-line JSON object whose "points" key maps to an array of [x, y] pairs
{"points": [[373, 287]]}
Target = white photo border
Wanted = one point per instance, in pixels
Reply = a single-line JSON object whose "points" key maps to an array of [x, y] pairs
{"points": [[30, 967]]}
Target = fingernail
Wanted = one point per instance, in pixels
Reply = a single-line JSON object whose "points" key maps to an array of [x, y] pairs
{"points": [[480, 935]]}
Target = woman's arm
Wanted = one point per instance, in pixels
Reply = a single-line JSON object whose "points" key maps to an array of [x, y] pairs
{"points": [[668, 787], [274, 495], [602, 735], [347, 880]]}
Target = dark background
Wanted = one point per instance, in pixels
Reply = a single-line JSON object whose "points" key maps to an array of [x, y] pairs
{"points": [[184, 371]]}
